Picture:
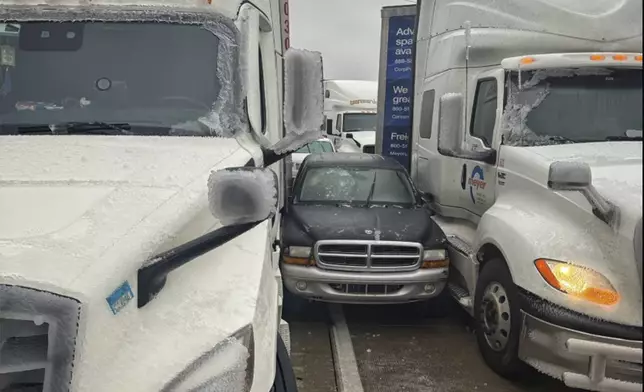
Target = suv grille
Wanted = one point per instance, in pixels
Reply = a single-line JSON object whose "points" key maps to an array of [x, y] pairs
{"points": [[369, 149], [37, 339], [368, 255]]}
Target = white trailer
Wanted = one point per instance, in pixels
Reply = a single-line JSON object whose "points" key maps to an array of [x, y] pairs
{"points": [[350, 114], [527, 129], [114, 274]]}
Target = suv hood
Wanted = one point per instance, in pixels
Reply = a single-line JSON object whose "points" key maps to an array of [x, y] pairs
{"points": [[67, 202], [358, 223]]}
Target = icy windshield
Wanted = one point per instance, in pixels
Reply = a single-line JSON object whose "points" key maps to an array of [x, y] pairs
{"points": [[145, 78], [357, 122], [574, 105], [355, 185]]}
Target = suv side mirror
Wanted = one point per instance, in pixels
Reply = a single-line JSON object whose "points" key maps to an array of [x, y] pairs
{"points": [[451, 132]]}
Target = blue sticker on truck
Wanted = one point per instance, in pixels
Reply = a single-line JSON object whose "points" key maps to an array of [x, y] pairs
{"points": [[396, 132], [120, 297], [476, 181]]}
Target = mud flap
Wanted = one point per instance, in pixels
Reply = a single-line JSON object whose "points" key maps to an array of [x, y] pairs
{"points": [[284, 375]]}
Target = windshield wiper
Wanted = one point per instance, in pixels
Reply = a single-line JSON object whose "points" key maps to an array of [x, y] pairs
{"points": [[70, 128], [623, 138], [373, 187], [562, 139]]}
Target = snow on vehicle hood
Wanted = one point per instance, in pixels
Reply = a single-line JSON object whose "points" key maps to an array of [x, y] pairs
{"points": [[66, 201], [616, 169], [81, 214]]}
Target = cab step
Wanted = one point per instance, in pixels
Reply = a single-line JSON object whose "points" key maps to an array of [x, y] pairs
{"points": [[461, 295]]}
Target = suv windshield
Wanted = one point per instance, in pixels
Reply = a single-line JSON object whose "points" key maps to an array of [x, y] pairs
{"points": [[317, 146], [150, 78], [574, 105], [355, 185], [357, 122]]}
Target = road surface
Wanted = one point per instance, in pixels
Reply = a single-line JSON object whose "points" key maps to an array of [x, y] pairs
{"points": [[397, 350]]}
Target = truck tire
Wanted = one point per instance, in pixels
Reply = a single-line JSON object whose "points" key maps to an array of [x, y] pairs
{"points": [[497, 316], [284, 375]]}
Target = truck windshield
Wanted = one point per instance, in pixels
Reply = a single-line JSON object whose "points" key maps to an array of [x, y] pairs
{"points": [[149, 78], [355, 185], [357, 122], [573, 106]]}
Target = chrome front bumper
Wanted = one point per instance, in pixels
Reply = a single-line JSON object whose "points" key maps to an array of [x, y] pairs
{"points": [[323, 285], [579, 359]]}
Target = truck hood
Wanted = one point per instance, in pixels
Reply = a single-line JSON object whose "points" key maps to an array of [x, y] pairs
{"points": [[616, 169], [69, 200], [359, 223], [81, 214]]}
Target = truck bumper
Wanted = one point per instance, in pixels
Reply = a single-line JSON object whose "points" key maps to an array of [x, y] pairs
{"points": [[359, 288], [580, 359]]}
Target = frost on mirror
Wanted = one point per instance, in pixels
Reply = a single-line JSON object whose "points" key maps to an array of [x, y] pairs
{"points": [[450, 133], [303, 99], [242, 194]]}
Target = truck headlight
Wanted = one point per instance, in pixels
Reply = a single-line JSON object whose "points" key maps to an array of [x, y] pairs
{"points": [[435, 258], [228, 366], [299, 255], [580, 282]]}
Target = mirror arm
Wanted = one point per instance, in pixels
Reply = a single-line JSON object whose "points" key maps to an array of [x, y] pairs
{"points": [[602, 208], [152, 277]]}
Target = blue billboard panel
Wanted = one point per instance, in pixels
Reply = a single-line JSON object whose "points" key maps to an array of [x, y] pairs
{"points": [[396, 132]]}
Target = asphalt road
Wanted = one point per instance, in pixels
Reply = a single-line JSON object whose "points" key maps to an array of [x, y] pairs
{"points": [[398, 350]]}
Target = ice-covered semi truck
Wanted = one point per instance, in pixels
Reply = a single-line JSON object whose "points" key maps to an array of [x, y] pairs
{"points": [[527, 129], [140, 190], [350, 114]]}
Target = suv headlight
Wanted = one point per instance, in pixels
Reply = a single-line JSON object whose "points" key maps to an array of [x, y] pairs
{"points": [[580, 282], [435, 258], [298, 255], [229, 366]]}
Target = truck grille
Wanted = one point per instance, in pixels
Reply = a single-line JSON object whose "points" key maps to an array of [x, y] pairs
{"points": [[349, 255], [37, 339], [369, 149]]}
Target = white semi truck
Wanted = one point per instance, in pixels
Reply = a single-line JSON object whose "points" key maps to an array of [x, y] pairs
{"points": [[350, 114], [140, 190], [527, 140]]}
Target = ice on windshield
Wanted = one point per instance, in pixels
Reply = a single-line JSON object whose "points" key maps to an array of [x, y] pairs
{"points": [[573, 105], [355, 185], [144, 75]]}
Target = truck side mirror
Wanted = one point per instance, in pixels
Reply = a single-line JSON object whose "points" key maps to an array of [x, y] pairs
{"points": [[240, 195], [451, 132], [577, 176], [569, 176], [303, 99], [450, 125]]}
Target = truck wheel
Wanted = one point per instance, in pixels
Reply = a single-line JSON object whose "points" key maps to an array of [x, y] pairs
{"points": [[284, 375], [498, 319]]}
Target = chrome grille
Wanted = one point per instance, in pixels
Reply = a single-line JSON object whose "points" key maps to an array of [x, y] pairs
{"points": [[350, 255], [37, 339]]}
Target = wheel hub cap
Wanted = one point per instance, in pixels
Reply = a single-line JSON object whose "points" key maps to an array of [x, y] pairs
{"points": [[495, 316]]}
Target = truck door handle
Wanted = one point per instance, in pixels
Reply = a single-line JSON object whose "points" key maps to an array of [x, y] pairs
{"points": [[463, 176]]}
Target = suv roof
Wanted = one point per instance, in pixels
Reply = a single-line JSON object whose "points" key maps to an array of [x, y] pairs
{"points": [[352, 159]]}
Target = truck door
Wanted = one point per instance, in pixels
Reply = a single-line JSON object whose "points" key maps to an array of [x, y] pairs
{"points": [[478, 179]]}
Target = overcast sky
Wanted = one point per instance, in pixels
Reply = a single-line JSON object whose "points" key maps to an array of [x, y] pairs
{"points": [[347, 32]]}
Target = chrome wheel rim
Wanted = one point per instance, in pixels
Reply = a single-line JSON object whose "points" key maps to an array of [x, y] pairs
{"points": [[495, 316]]}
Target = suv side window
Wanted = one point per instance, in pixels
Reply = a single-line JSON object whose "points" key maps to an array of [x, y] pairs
{"points": [[427, 114], [484, 111]]}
